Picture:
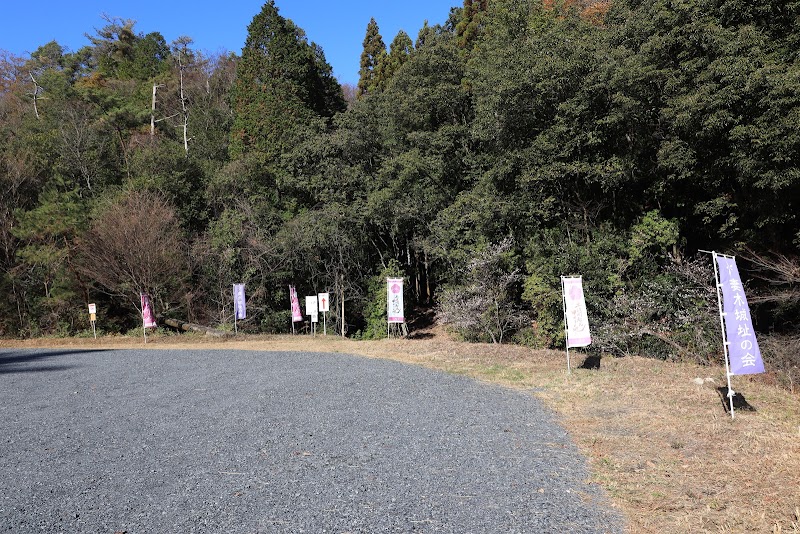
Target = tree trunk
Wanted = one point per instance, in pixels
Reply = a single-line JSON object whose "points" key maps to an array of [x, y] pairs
{"points": [[187, 327]]}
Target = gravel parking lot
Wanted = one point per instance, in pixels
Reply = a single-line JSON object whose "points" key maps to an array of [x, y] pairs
{"points": [[144, 441]]}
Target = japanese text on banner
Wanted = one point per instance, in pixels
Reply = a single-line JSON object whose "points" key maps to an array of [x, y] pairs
{"points": [[394, 300], [743, 351], [577, 318], [239, 301]]}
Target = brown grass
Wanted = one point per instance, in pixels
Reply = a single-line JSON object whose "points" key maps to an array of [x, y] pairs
{"points": [[662, 445]]}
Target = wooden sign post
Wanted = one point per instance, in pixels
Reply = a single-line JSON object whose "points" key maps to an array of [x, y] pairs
{"points": [[93, 317]]}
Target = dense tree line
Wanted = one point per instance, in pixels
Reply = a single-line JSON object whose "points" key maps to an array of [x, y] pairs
{"points": [[519, 141]]}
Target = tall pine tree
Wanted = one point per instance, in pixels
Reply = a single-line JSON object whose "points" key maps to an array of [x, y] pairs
{"points": [[371, 59], [399, 53]]}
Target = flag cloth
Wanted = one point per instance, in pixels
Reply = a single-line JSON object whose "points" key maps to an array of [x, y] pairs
{"points": [[297, 315], [743, 351], [394, 300], [148, 317], [239, 302], [575, 311]]}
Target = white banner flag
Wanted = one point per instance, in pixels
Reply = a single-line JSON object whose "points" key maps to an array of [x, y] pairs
{"points": [[575, 311]]}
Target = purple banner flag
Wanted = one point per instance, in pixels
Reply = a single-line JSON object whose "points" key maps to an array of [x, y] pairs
{"points": [[239, 301], [745, 356], [297, 315], [148, 317]]}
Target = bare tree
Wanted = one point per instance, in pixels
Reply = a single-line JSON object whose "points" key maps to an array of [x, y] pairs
{"points": [[780, 271], [484, 305], [136, 246], [182, 53], [37, 90]]}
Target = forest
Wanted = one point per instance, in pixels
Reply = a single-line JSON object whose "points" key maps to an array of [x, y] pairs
{"points": [[481, 160]]}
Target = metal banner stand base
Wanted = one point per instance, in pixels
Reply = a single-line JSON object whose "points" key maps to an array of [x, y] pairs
{"points": [[396, 330]]}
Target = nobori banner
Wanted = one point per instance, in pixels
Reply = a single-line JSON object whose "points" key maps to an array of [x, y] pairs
{"points": [[394, 300], [297, 315], [743, 351], [575, 312], [148, 317], [239, 302]]}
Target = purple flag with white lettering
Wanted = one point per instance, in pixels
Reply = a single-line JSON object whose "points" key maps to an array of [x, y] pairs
{"points": [[743, 350], [239, 302]]}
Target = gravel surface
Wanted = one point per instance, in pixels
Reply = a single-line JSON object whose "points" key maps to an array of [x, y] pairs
{"points": [[183, 441]]}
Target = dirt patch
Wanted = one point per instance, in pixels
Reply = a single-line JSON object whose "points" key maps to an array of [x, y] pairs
{"points": [[657, 435]]}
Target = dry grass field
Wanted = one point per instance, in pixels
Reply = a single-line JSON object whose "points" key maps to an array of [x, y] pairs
{"points": [[656, 434]]}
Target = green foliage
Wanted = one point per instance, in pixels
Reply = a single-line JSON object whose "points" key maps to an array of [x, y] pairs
{"points": [[608, 145], [282, 83], [469, 26], [652, 235], [599, 259], [376, 304]]}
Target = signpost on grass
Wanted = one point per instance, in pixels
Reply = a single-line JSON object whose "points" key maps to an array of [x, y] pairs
{"points": [[93, 317], [324, 301], [313, 310]]}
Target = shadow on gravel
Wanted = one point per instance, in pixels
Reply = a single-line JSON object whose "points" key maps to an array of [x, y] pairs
{"points": [[18, 362]]}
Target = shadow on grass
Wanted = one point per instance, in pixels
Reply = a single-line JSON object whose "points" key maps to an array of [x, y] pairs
{"points": [[420, 335], [739, 402], [24, 361], [591, 362]]}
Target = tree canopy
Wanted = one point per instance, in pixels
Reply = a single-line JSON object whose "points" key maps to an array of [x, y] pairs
{"points": [[610, 139]]}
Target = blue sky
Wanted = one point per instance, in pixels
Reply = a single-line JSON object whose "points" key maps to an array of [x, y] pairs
{"points": [[337, 26]]}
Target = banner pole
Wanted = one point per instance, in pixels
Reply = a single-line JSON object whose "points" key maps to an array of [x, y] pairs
{"points": [[724, 335], [566, 331]]}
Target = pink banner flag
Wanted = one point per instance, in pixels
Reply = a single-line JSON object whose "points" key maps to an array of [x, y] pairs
{"points": [[148, 317], [297, 315], [575, 309]]}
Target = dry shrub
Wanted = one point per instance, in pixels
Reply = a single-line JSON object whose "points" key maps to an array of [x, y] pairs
{"points": [[781, 354], [136, 246]]}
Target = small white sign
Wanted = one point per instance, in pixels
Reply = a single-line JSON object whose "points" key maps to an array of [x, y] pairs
{"points": [[92, 308], [324, 302], [312, 309]]}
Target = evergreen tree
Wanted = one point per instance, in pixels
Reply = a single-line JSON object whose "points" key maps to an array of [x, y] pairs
{"points": [[371, 58], [282, 84], [472, 16], [399, 53]]}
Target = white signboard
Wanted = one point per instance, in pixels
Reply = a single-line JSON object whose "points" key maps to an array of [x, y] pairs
{"points": [[92, 308], [312, 309], [324, 302]]}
